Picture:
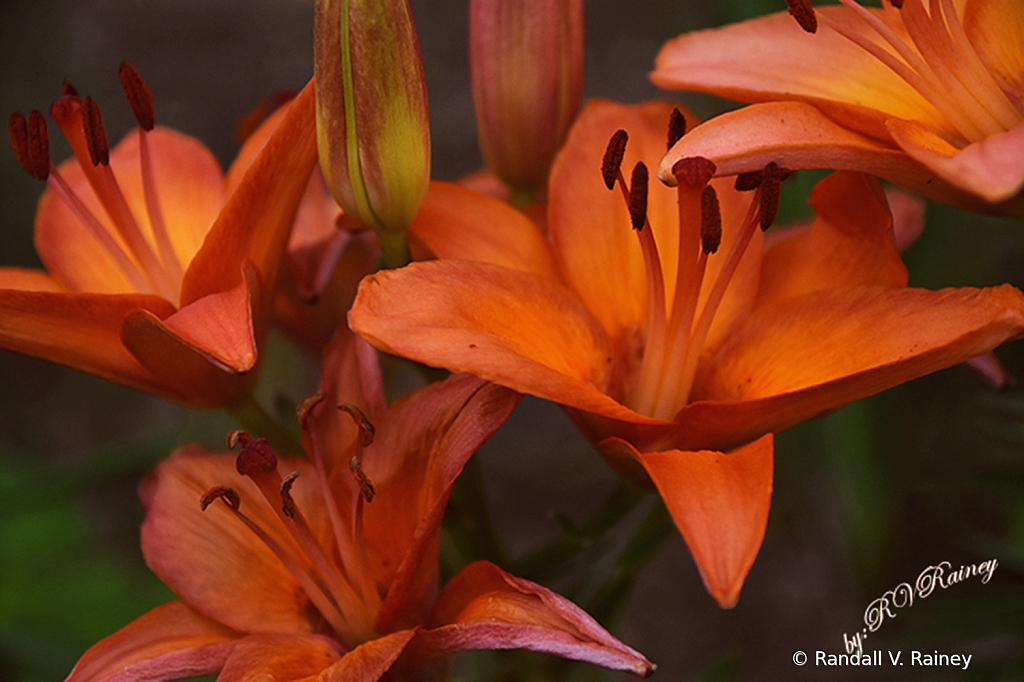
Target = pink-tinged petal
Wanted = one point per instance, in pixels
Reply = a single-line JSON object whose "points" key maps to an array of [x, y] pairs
{"points": [[257, 219], [189, 187], [368, 662], [220, 326], [421, 446], [907, 216], [720, 504], [506, 326], [811, 354], [458, 223], [850, 243], [28, 279], [210, 559], [772, 58], [597, 249], [316, 242], [994, 28], [168, 643], [991, 169], [79, 330], [281, 658], [796, 135], [483, 607], [220, 371]]}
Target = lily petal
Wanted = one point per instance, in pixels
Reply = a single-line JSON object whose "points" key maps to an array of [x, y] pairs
{"points": [[283, 658], [483, 607], [209, 558], [796, 135], [76, 329], [834, 346], [720, 504], [771, 58], [991, 169], [458, 223], [503, 325], [168, 643], [368, 662], [850, 243], [994, 28], [203, 358], [257, 219], [423, 443], [29, 279]]}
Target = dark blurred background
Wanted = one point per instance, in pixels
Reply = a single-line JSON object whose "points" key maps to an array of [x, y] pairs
{"points": [[864, 499]]}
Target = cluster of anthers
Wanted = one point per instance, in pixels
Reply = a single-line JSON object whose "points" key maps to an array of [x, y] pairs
{"points": [[146, 257], [675, 338], [335, 578]]}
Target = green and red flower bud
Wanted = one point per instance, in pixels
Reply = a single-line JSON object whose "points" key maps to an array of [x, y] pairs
{"points": [[373, 127]]}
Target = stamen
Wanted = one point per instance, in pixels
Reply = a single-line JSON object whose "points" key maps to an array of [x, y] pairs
{"points": [[229, 496], [898, 4], [140, 98], [31, 143], [746, 182], [676, 127], [638, 196], [366, 488], [710, 221], [95, 134], [366, 430], [66, 88], [304, 410], [611, 165], [770, 192], [236, 437], [287, 503], [803, 12]]}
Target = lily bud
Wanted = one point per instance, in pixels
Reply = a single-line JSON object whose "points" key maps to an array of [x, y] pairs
{"points": [[373, 129], [526, 67]]}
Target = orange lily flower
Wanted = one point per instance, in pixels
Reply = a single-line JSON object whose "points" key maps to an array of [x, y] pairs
{"points": [[666, 354], [928, 95], [160, 269], [328, 569]]}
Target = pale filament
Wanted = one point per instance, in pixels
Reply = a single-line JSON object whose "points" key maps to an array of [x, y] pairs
{"points": [[940, 64]]}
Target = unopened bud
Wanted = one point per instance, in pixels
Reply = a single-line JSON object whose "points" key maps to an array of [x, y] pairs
{"points": [[373, 128], [526, 68]]}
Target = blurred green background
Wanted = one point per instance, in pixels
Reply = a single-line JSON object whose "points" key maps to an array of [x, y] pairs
{"points": [[864, 499]]}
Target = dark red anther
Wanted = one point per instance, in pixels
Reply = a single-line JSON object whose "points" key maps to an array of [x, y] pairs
{"points": [[638, 196], [95, 134], [366, 488], [366, 430], [710, 221], [31, 143], [66, 88], [803, 12], [256, 457], [898, 4], [747, 182], [770, 191], [304, 410], [676, 127], [229, 496], [288, 507], [236, 437], [613, 154], [694, 171], [140, 99]]}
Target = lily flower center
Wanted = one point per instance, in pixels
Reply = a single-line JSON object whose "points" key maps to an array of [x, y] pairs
{"points": [[935, 57], [333, 575], [146, 257], [675, 336]]}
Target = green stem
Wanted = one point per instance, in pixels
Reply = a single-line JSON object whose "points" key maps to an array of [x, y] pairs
{"points": [[395, 249], [259, 423]]}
